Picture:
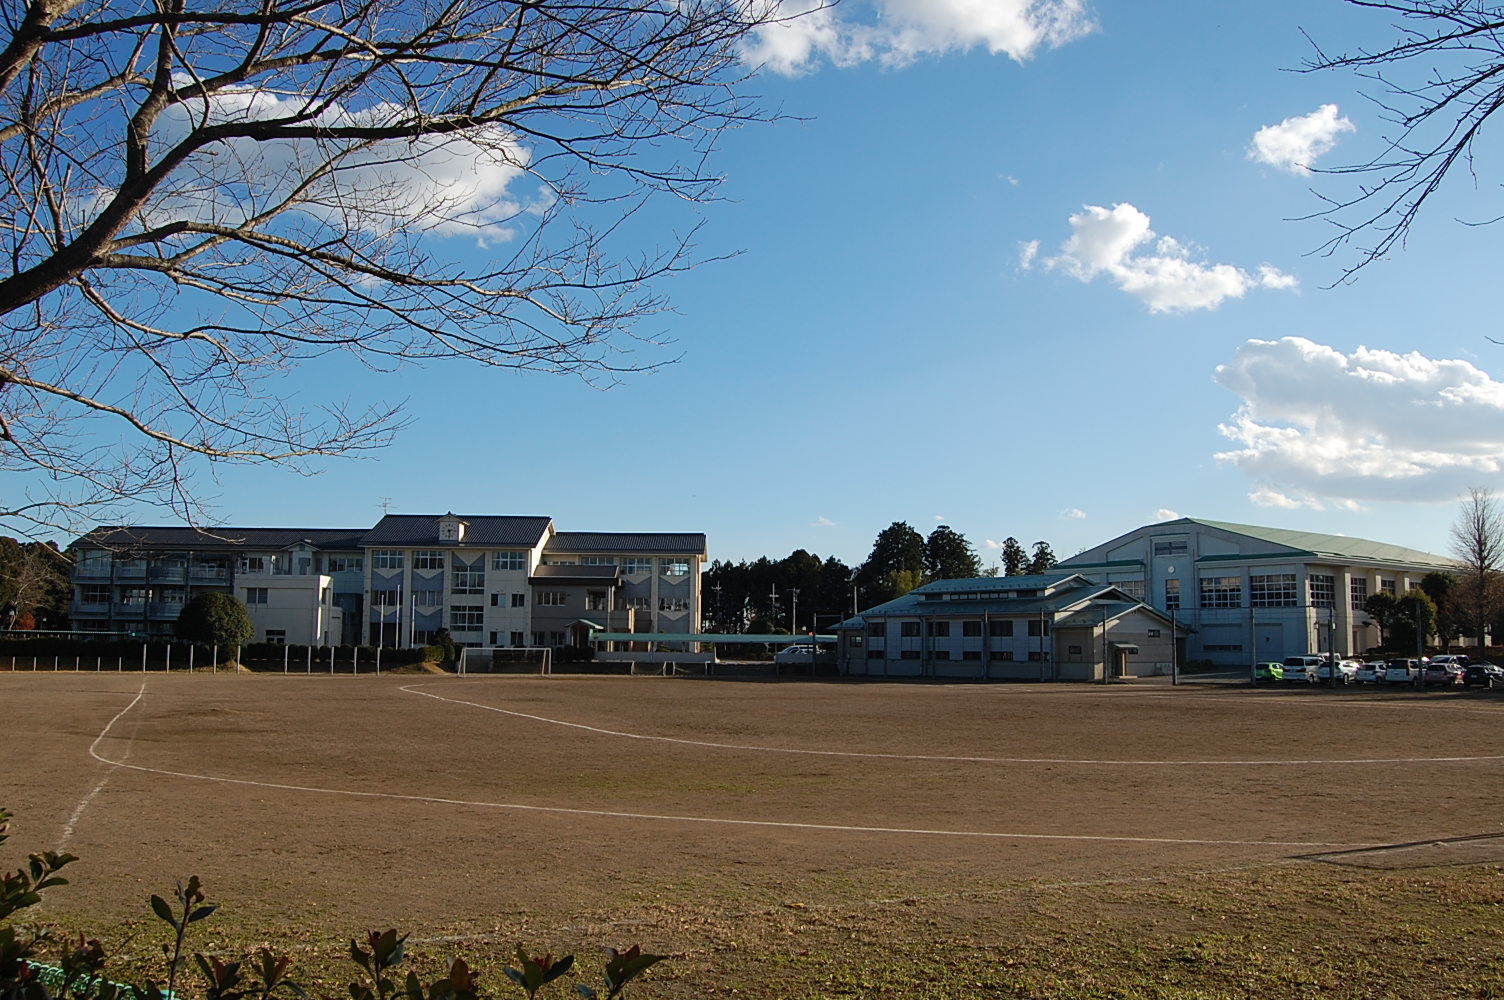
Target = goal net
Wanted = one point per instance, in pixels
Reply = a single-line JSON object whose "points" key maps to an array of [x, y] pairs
{"points": [[506, 660]]}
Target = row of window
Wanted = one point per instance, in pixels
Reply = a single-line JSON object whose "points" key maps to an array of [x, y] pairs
{"points": [[944, 654], [432, 559], [971, 628], [1273, 590]]}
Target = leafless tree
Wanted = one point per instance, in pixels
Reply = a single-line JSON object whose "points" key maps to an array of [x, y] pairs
{"points": [[1437, 84], [1478, 547], [202, 195]]}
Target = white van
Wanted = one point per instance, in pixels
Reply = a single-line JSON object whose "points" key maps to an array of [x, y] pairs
{"points": [[1302, 669]]}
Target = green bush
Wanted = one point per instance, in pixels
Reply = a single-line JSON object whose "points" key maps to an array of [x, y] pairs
{"points": [[215, 618], [263, 975]]}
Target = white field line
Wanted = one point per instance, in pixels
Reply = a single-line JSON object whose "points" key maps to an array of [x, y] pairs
{"points": [[672, 818], [83, 803], [414, 689]]}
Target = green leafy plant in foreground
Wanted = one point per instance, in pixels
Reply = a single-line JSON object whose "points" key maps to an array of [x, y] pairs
{"points": [[79, 974]]}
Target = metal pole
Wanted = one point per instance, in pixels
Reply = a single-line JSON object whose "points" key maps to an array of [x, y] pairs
{"points": [[286, 651], [143, 657], [1174, 650]]}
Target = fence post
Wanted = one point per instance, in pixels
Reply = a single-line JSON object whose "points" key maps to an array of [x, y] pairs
{"points": [[168, 667], [191, 647], [286, 651], [355, 660], [214, 666], [143, 657]]}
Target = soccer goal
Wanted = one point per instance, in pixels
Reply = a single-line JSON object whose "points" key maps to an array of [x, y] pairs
{"points": [[506, 660]]}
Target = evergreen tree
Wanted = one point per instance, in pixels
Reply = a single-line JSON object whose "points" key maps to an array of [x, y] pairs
{"points": [[217, 618], [1015, 559], [949, 556], [898, 549], [1044, 559]]}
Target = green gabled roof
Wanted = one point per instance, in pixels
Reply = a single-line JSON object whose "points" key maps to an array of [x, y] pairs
{"points": [[1317, 544]]}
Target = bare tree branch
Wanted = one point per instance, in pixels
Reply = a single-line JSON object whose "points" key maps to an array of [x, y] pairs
{"points": [[1438, 84], [208, 194]]}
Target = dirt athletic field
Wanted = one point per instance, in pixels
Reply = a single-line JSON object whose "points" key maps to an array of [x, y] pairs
{"points": [[712, 818]]}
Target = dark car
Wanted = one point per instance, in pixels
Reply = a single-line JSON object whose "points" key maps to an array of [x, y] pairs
{"points": [[1483, 675]]}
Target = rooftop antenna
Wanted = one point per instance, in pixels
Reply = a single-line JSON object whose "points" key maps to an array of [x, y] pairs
{"points": [[386, 505]]}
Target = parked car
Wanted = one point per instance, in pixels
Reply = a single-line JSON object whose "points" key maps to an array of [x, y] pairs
{"points": [[1268, 672], [1455, 659], [1300, 669], [1482, 674], [801, 652], [1401, 671], [1442, 674], [1371, 672], [1347, 671]]}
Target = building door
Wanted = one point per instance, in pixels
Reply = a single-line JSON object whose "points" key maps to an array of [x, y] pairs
{"points": [[1269, 643]]}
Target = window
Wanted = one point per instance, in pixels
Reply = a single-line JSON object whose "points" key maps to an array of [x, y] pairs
{"points": [[467, 578], [1038, 627], [1003, 654], [1133, 588], [134, 595], [1172, 547], [1223, 648], [854, 640], [1153, 633], [538, 639], [94, 562], [673, 604], [386, 559], [1359, 589], [972, 654], [277, 636], [1275, 590], [637, 564], [599, 561], [253, 564], [519, 600], [640, 603], [940, 629], [1172, 595], [674, 567], [1387, 586], [557, 561], [873, 653], [875, 630], [1323, 591], [516, 638], [971, 630], [1035, 655], [509, 560], [498, 600], [909, 654], [94, 594], [428, 598], [466, 617], [552, 598], [386, 599], [941, 654], [1221, 592], [342, 564], [1073, 650], [1000, 628], [428, 559], [254, 595], [556, 638], [170, 596], [908, 629]]}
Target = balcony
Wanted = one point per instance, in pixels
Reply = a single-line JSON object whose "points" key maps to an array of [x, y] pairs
{"points": [[159, 610], [93, 609], [168, 574], [129, 611], [91, 570], [130, 571], [209, 574]]}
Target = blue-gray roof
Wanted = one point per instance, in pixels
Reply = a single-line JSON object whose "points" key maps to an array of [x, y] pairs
{"points": [[160, 538], [481, 531], [627, 543]]}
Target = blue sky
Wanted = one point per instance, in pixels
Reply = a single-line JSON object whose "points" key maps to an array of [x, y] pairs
{"points": [[945, 309]]}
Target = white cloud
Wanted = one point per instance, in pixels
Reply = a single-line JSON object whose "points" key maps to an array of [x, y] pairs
{"points": [[443, 184], [897, 32], [1073, 513], [1295, 143], [1164, 514], [823, 522], [1026, 254], [990, 543], [1119, 243], [1318, 428]]}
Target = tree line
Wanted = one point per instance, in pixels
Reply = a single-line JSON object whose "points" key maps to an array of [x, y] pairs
{"points": [[802, 592]]}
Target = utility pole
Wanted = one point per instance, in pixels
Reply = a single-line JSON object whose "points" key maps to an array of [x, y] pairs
{"points": [[794, 611], [773, 602]]}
